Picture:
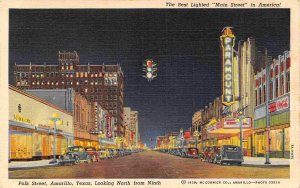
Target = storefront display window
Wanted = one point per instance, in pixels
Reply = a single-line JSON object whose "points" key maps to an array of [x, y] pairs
{"points": [[21, 145], [287, 141], [259, 144], [276, 140]]}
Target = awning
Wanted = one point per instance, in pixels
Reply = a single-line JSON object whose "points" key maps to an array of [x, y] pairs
{"points": [[227, 131]]}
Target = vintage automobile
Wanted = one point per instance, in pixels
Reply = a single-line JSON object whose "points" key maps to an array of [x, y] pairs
{"points": [[74, 155], [104, 154], [204, 154], [229, 154], [112, 153], [214, 150], [190, 152], [92, 151]]}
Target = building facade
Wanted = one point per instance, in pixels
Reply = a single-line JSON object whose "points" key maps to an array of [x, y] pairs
{"points": [[83, 111], [31, 135], [132, 122], [103, 84], [278, 109], [220, 123]]}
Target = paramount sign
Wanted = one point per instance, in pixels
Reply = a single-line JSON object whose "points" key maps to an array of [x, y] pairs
{"points": [[227, 41]]}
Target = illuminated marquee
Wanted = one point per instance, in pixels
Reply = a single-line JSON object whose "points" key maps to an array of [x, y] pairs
{"points": [[227, 42]]}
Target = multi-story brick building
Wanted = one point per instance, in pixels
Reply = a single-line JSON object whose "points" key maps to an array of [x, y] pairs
{"points": [[131, 121], [278, 108], [98, 83]]}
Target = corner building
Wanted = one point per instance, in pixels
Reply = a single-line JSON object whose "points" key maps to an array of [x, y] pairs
{"points": [[103, 84], [278, 109], [30, 133]]}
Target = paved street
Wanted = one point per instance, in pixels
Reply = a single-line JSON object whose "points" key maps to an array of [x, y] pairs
{"points": [[151, 164]]}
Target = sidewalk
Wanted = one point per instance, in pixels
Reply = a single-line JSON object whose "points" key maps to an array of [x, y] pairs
{"points": [[260, 161], [18, 165]]}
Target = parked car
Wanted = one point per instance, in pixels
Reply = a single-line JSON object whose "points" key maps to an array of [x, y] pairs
{"points": [[92, 151], [190, 152], [214, 150], [229, 154], [104, 154], [74, 155], [204, 154]]}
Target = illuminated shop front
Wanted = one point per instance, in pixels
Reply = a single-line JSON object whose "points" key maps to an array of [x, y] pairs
{"points": [[279, 129], [30, 131], [227, 131]]}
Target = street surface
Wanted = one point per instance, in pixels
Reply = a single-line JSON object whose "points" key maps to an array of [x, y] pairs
{"points": [[151, 164]]}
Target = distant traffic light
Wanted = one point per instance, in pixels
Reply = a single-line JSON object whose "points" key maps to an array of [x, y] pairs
{"points": [[149, 67]]}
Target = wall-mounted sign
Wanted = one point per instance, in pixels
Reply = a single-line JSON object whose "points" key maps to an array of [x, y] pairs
{"points": [[187, 134], [280, 104], [234, 123], [22, 119], [44, 126], [108, 126], [227, 42]]}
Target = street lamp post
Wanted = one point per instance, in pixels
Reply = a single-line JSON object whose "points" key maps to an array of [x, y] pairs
{"points": [[241, 117], [56, 121], [267, 109]]}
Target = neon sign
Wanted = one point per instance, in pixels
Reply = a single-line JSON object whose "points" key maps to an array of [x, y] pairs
{"points": [[227, 42]]}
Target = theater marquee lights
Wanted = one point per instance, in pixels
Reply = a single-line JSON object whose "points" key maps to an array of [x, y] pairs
{"points": [[227, 42]]}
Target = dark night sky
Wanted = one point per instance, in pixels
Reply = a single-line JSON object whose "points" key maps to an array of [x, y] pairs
{"points": [[184, 43]]}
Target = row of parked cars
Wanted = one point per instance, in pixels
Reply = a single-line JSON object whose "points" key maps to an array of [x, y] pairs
{"points": [[77, 154], [229, 154]]}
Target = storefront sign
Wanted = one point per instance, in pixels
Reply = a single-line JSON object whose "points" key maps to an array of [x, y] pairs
{"points": [[227, 42], [214, 126], [108, 126], [260, 112], [44, 126], [279, 105], [22, 119], [187, 134], [234, 123]]}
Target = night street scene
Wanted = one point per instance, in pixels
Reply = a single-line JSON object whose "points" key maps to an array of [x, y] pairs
{"points": [[149, 93]]}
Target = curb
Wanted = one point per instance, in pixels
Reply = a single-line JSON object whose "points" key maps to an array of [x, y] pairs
{"points": [[263, 165], [31, 167]]}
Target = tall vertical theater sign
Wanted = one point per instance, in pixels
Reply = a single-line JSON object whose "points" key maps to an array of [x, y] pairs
{"points": [[227, 42]]}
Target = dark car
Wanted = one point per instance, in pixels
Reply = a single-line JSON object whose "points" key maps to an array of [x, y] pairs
{"points": [[214, 150], [74, 155], [229, 154], [190, 152], [92, 151]]}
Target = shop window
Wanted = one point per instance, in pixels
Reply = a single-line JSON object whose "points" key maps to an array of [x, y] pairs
{"points": [[287, 82], [287, 140], [276, 140]]}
